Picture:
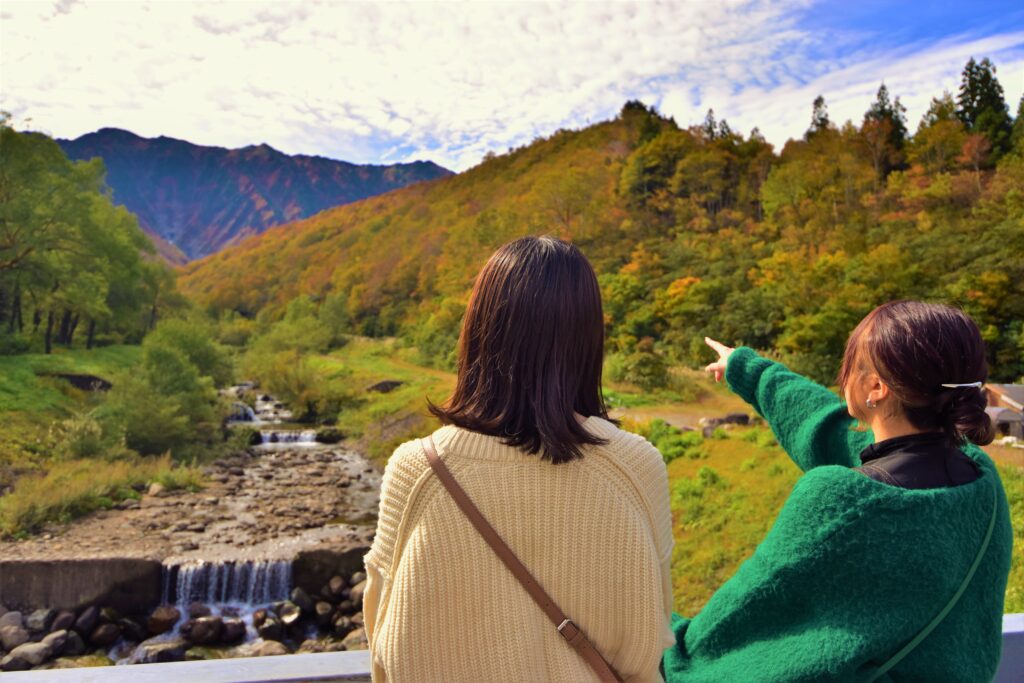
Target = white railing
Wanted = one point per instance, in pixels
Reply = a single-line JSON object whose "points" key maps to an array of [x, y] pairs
{"points": [[353, 666]]}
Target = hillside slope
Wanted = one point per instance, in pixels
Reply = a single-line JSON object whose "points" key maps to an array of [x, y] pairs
{"points": [[201, 198]]}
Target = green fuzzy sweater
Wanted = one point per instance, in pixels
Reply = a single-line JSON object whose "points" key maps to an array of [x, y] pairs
{"points": [[852, 569]]}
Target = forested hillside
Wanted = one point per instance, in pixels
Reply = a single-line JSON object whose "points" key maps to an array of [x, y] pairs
{"points": [[200, 198], [693, 231]]}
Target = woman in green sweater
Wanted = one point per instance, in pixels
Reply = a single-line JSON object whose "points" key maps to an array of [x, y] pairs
{"points": [[890, 558]]}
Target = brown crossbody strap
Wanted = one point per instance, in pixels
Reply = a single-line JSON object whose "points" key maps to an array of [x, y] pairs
{"points": [[570, 631]]}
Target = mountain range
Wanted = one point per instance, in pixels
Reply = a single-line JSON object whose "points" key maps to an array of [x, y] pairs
{"points": [[193, 200]]}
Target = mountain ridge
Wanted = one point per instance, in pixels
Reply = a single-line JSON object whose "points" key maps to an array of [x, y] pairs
{"points": [[200, 198]]}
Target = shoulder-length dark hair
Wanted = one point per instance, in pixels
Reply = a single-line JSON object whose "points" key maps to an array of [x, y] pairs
{"points": [[916, 348], [531, 350]]}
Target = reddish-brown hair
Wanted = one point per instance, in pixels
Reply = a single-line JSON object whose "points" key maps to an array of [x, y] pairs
{"points": [[915, 348], [531, 350]]}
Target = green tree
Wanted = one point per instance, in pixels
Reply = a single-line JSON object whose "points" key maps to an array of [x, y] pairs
{"points": [[819, 118], [981, 105]]}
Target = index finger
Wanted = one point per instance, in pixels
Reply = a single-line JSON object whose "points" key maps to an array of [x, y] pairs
{"points": [[716, 345]]}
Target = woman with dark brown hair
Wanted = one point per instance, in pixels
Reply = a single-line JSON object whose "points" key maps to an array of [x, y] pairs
{"points": [[890, 558], [567, 577]]}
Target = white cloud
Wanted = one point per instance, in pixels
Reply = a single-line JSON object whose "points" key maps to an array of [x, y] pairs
{"points": [[372, 82]]}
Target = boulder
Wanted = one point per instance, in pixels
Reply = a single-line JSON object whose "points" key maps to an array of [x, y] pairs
{"points": [[736, 419], [270, 629], [355, 640], [357, 577], [155, 651], [385, 386], [40, 620], [12, 619], [336, 585], [162, 619], [322, 613], [105, 635], [347, 607], [87, 620], [329, 435], [156, 489], [109, 615], [302, 599], [57, 642], [234, 631], [33, 654], [198, 609], [356, 594], [12, 636], [12, 663], [289, 612], [63, 621], [205, 630], [133, 630], [74, 646], [258, 617], [342, 625], [269, 648]]}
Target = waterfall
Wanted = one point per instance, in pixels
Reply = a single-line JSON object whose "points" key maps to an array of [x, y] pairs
{"points": [[242, 412], [243, 582], [288, 436]]}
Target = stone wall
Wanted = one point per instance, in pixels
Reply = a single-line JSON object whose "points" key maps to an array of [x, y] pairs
{"points": [[131, 585]]}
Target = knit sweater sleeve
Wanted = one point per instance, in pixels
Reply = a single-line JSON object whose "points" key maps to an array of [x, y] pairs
{"points": [[810, 422]]}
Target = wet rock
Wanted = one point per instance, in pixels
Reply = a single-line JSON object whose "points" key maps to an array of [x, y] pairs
{"points": [[87, 620], [271, 628], [347, 607], [63, 621], [56, 641], [33, 654], [322, 613], [109, 615], [329, 435], [310, 646], [356, 594], [289, 612], [258, 617], [198, 609], [12, 636], [205, 630], [133, 630], [40, 620], [357, 619], [154, 651], [105, 635], [12, 619], [355, 640], [358, 577], [163, 619], [336, 585], [156, 489], [234, 631], [269, 648], [74, 646], [342, 625], [12, 663], [302, 599]]}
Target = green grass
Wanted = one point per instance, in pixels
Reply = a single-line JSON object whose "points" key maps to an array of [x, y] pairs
{"points": [[71, 488], [1013, 482], [23, 389]]}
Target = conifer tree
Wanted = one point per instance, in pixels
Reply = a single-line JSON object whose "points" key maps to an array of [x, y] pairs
{"points": [[981, 105], [819, 118]]}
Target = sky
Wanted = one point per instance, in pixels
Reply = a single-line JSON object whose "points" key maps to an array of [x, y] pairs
{"points": [[391, 82]]}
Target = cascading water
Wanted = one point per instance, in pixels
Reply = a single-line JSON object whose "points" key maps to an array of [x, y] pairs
{"points": [[302, 436], [250, 583]]}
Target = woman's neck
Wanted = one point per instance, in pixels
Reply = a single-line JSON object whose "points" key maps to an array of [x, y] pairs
{"points": [[891, 427]]}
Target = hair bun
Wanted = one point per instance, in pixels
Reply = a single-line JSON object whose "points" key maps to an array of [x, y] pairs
{"points": [[963, 416]]}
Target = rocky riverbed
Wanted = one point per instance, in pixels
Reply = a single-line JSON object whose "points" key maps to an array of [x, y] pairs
{"points": [[265, 504]]}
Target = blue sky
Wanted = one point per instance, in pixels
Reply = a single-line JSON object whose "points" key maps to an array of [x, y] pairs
{"points": [[387, 82]]}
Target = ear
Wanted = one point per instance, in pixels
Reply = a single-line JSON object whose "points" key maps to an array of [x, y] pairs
{"points": [[878, 391]]}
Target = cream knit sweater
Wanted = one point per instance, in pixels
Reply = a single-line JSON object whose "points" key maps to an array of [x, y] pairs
{"points": [[595, 532]]}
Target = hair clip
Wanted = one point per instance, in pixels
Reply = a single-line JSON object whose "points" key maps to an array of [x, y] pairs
{"points": [[969, 384]]}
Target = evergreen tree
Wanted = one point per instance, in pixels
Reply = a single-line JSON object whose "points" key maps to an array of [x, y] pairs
{"points": [[981, 105], [1017, 137], [710, 126], [894, 112], [819, 118]]}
